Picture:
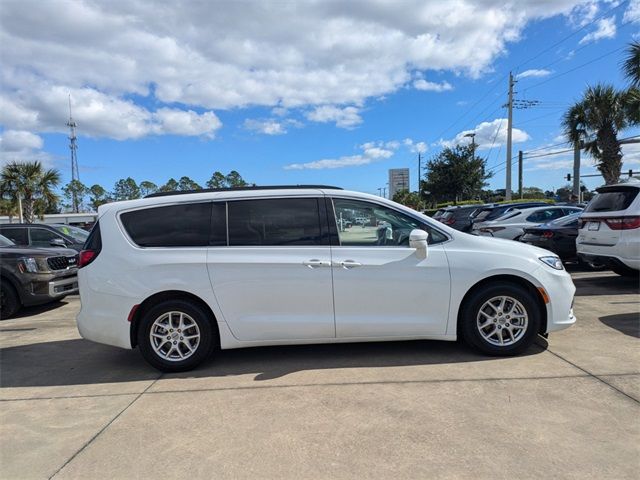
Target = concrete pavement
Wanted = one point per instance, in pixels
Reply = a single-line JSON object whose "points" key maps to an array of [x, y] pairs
{"points": [[569, 409]]}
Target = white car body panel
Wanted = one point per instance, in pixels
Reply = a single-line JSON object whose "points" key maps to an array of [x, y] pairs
{"points": [[267, 296], [596, 239]]}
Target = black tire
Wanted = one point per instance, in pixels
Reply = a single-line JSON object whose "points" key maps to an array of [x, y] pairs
{"points": [[470, 330], [203, 349], [9, 301], [625, 271]]}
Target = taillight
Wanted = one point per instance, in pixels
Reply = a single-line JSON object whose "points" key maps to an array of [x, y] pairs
{"points": [[547, 234], [86, 257], [623, 223]]}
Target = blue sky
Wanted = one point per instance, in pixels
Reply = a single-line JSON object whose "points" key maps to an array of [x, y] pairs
{"points": [[327, 92]]}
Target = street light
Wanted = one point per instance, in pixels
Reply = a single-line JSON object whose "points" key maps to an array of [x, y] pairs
{"points": [[473, 143]]}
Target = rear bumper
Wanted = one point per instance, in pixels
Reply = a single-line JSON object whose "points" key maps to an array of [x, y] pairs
{"points": [[609, 261]]}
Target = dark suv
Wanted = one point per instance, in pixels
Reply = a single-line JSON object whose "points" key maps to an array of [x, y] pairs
{"points": [[491, 212], [44, 235], [32, 276], [459, 217]]}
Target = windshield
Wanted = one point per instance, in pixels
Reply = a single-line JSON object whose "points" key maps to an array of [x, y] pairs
{"points": [[611, 199], [5, 242], [79, 235]]}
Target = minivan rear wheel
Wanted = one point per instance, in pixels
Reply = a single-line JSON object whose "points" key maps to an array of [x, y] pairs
{"points": [[501, 319], [175, 336]]}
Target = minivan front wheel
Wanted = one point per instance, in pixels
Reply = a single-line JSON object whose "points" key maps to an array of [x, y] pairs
{"points": [[502, 319], [175, 336]]}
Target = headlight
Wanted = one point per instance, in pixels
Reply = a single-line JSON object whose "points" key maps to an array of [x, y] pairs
{"points": [[553, 262], [28, 264]]}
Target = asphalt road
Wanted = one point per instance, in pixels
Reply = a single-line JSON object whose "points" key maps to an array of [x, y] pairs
{"points": [[566, 409]]}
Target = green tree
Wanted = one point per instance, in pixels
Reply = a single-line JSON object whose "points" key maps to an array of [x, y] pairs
{"points": [[98, 196], [147, 188], [170, 186], [217, 180], [234, 179], [126, 189], [594, 122], [631, 70], [185, 183], [74, 193], [409, 199], [532, 192], [30, 182], [456, 174]]}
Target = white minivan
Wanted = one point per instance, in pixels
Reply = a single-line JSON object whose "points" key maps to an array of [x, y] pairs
{"points": [[181, 274]]}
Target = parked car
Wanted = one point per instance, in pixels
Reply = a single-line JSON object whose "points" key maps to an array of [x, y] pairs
{"points": [[492, 212], [558, 236], [458, 217], [45, 235], [610, 229], [268, 266], [512, 224], [33, 276]]}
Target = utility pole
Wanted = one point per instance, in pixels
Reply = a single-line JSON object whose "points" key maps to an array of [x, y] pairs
{"points": [[576, 169], [520, 173], [473, 143], [419, 174], [509, 127]]}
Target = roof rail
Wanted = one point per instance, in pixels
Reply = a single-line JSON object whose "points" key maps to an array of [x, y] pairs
{"points": [[238, 189]]}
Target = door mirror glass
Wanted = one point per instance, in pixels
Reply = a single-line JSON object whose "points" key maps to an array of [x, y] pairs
{"points": [[418, 240]]}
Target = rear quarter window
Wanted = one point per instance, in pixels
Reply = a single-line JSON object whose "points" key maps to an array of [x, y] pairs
{"points": [[612, 200], [184, 225]]}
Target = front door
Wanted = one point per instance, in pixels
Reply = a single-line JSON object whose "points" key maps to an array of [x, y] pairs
{"points": [[273, 280], [381, 287]]}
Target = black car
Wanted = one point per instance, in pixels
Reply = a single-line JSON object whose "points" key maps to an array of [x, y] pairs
{"points": [[558, 236], [44, 235], [491, 212], [33, 276], [459, 217]]}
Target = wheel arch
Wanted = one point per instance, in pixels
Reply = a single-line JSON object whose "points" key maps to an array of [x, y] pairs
{"points": [[520, 281], [159, 297]]}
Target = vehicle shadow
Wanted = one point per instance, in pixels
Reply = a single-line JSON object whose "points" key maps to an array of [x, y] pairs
{"points": [[38, 309], [606, 285], [627, 323], [79, 362]]}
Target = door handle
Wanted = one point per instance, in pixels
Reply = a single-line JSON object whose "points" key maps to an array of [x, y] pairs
{"points": [[349, 264], [314, 262]]}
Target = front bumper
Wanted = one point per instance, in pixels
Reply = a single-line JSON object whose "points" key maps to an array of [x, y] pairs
{"points": [[38, 288], [63, 286]]}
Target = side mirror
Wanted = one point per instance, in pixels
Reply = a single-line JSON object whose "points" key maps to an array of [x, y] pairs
{"points": [[418, 240], [58, 242]]}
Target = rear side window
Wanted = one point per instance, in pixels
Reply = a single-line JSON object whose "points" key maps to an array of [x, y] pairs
{"points": [[612, 200], [185, 225], [94, 240], [274, 222], [16, 235]]}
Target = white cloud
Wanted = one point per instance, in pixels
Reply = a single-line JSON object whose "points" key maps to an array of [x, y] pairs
{"points": [[584, 13], [534, 73], [229, 55], [415, 147], [605, 28], [21, 146], [347, 117], [422, 84], [267, 127], [370, 152], [488, 134], [44, 108], [632, 14]]}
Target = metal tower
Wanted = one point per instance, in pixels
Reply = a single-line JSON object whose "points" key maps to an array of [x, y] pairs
{"points": [[73, 146]]}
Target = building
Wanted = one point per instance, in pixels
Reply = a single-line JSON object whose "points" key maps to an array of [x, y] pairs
{"points": [[398, 180]]}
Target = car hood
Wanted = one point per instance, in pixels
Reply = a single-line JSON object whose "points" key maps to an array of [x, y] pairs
{"points": [[47, 252], [508, 247]]}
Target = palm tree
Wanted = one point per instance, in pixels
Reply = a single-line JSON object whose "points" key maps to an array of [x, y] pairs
{"points": [[631, 65], [594, 122], [631, 70], [30, 182]]}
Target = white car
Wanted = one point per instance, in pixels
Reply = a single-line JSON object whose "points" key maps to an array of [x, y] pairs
{"points": [[179, 275], [512, 224], [610, 229]]}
